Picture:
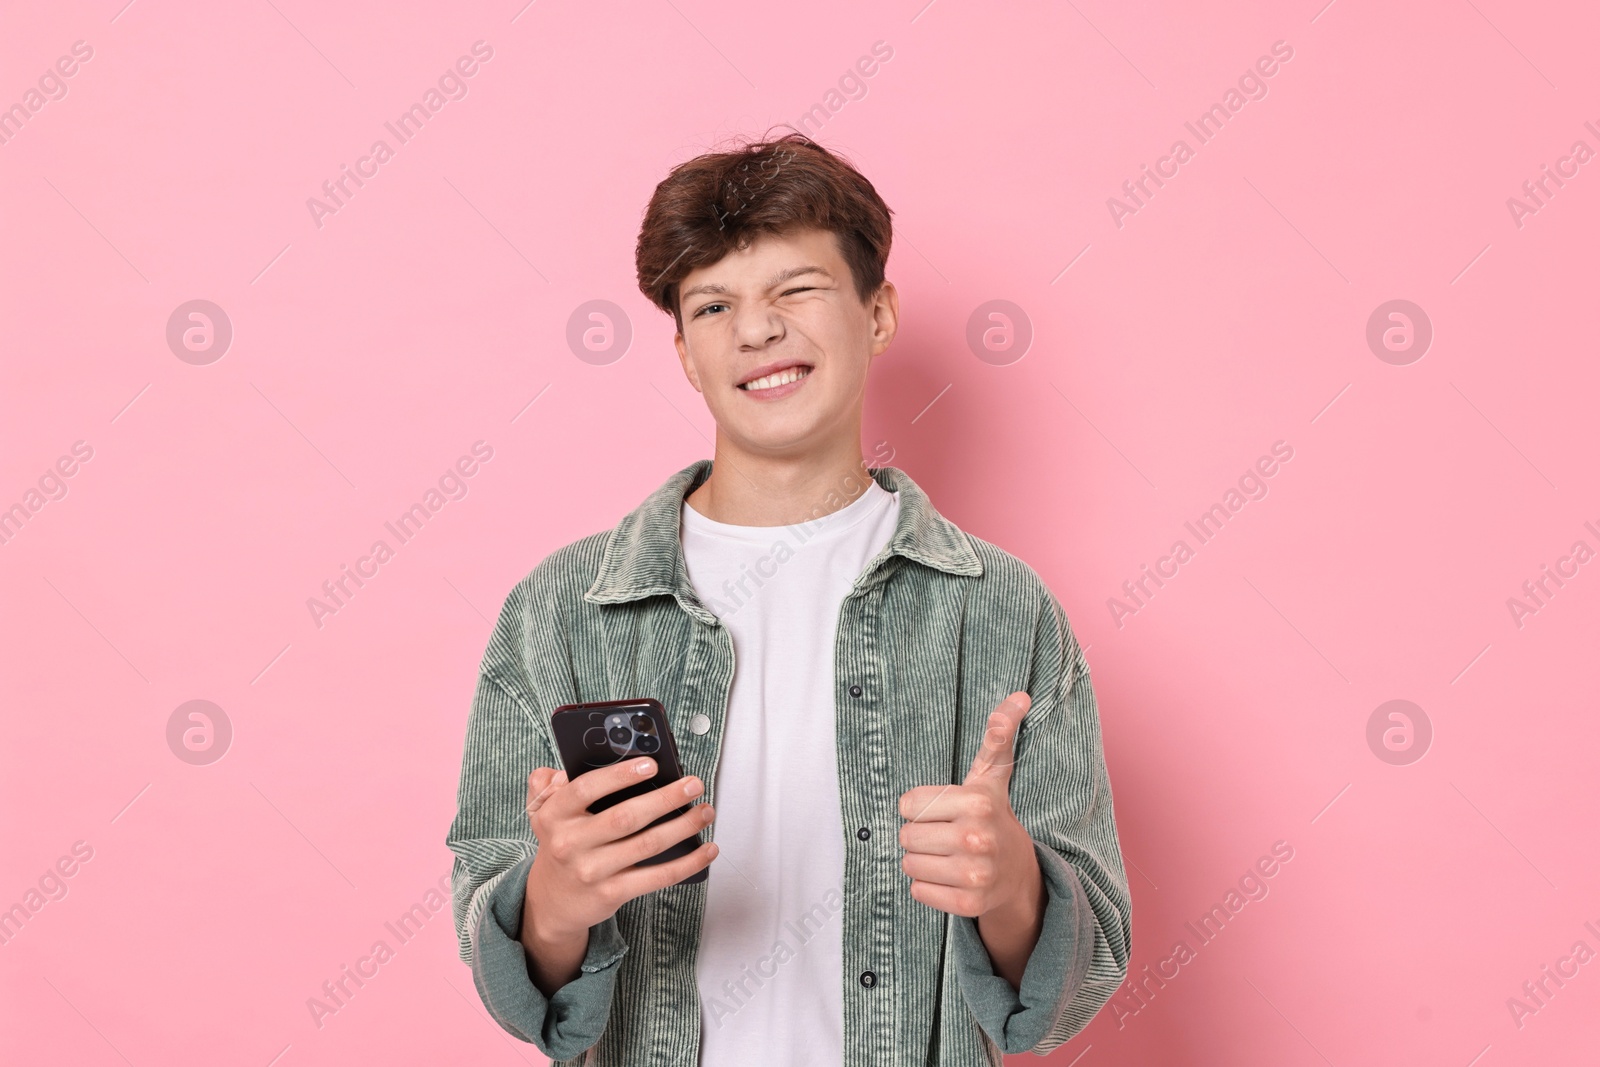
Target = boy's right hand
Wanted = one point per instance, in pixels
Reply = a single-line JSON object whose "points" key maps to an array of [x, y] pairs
{"points": [[585, 868]]}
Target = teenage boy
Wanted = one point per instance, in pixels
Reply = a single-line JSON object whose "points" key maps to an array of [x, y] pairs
{"points": [[916, 859]]}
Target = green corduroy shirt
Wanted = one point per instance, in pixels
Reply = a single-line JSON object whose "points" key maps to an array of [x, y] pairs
{"points": [[937, 630]]}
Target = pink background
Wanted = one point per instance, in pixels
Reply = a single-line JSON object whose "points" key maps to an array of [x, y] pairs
{"points": [[369, 353]]}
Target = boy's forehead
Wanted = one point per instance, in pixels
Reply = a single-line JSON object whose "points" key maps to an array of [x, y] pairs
{"points": [[768, 253]]}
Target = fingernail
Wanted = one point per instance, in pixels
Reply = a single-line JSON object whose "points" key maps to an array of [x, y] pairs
{"points": [[644, 766], [693, 787]]}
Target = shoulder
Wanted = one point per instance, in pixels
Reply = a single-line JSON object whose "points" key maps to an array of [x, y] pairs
{"points": [[535, 617], [554, 587], [568, 571], [1007, 576], [1015, 597]]}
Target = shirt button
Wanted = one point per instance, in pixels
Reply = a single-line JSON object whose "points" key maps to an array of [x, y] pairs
{"points": [[869, 979], [699, 723], [855, 690], [863, 833]]}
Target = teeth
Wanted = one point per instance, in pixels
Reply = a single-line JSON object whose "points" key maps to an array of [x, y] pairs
{"points": [[783, 377]]}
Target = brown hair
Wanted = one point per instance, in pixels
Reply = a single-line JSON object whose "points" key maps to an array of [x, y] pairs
{"points": [[720, 201]]}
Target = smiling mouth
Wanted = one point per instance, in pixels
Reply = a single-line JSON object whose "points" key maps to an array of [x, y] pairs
{"points": [[777, 378]]}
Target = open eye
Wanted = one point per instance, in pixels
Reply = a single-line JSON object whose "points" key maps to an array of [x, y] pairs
{"points": [[707, 308]]}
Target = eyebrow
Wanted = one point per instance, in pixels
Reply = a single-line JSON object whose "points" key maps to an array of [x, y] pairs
{"points": [[777, 279]]}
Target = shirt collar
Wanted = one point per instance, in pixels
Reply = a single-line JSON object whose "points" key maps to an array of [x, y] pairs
{"points": [[644, 553]]}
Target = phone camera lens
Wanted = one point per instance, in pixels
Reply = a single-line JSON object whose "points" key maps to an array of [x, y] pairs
{"points": [[620, 734], [648, 744], [642, 723]]}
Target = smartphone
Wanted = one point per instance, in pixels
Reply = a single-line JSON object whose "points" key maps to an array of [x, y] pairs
{"points": [[602, 733]]}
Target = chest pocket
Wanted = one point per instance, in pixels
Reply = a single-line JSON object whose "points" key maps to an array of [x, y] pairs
{"points": [[654, 648], [923, 668]]}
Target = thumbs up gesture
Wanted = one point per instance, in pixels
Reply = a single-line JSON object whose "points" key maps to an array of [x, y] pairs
{"points": [[965, 850]]}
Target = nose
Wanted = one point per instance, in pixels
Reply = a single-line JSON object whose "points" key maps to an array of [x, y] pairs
{"points": [[757, 326]]}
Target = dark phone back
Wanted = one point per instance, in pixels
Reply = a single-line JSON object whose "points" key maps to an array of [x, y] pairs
{"points": [[599, 734]]}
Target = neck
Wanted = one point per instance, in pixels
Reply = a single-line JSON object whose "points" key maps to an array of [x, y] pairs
{"points": [[752, 489]]}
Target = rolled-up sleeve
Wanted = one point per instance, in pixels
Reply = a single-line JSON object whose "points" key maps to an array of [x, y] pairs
{"points": [[573, 1017], [1061, 792], [494, 849]]}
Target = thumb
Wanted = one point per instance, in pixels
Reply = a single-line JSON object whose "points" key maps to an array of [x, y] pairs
{"points": [[541, 783], [997, 753]]}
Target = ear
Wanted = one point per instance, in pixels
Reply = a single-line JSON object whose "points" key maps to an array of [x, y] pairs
{"points": [[885, 312], [688, 364]]}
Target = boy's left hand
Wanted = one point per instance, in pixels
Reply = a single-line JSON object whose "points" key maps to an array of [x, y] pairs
{"points": [[965, 850]]}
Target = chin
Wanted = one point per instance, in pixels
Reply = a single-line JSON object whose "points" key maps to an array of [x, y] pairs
{"points": [[769, 440]]}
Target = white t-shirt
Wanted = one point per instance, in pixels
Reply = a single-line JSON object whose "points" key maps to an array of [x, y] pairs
{"points": [[771, 959]]}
